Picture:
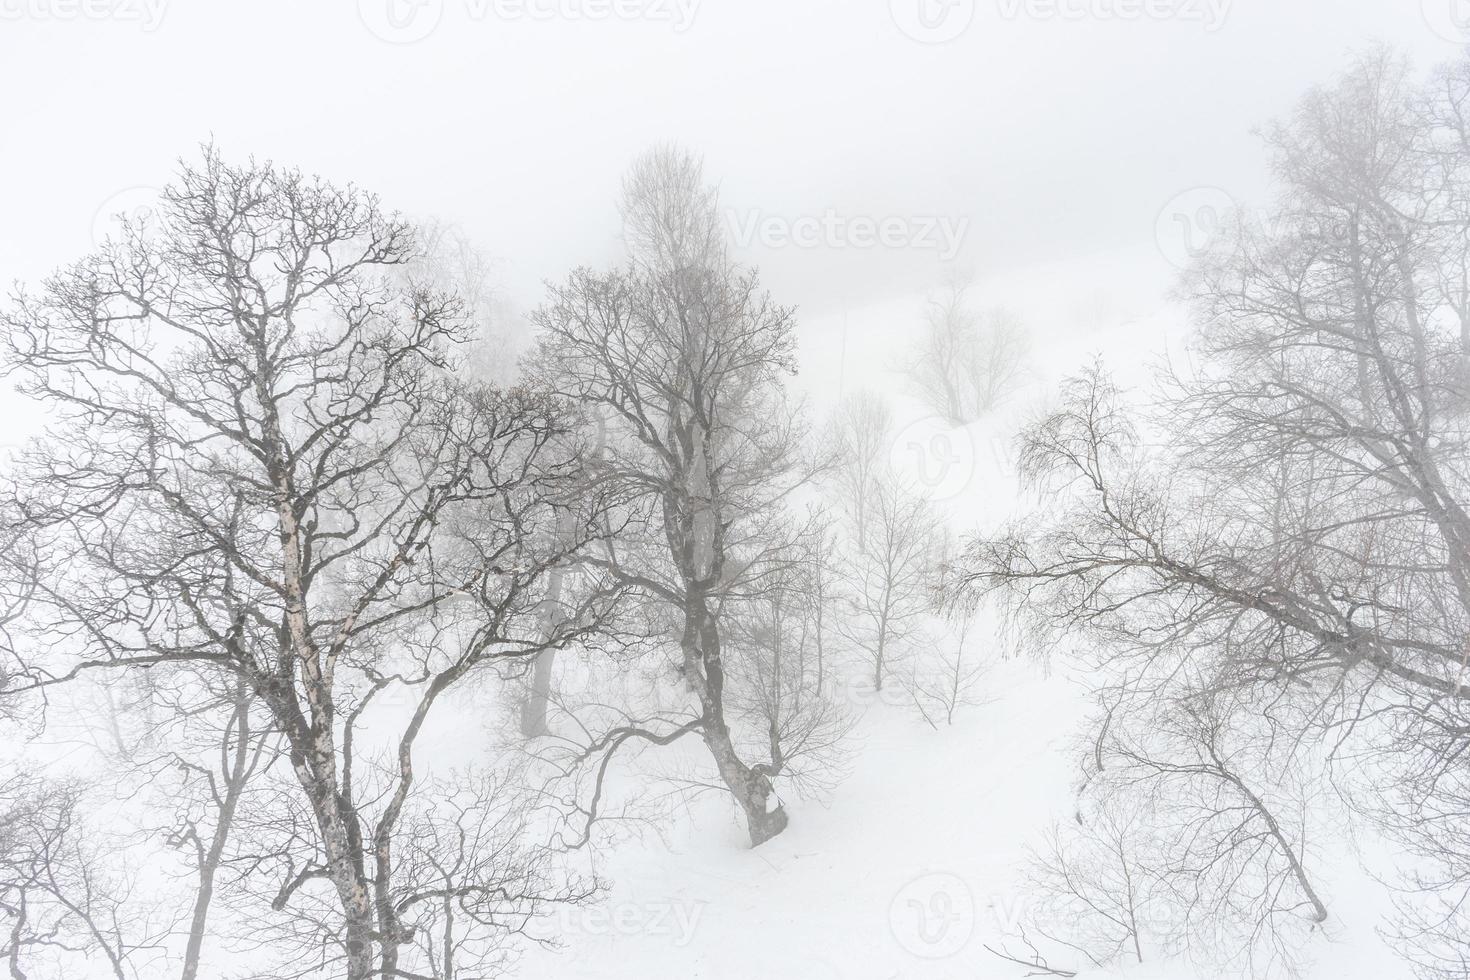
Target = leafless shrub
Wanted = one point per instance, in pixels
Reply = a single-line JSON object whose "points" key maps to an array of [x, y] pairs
{"points": [[944, 677], [1179, 849], [475, 878], [1098, 893], [776, 644]]}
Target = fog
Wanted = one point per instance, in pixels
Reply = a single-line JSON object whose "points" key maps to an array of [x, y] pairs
{"points": [[734, 489]]}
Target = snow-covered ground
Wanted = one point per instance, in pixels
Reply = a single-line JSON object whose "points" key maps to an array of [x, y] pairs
{"points": [[905, 872], [916, 862], [912, 867]]}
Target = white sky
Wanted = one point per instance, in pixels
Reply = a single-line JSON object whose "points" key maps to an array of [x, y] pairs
{"points": [[1056, 141]]}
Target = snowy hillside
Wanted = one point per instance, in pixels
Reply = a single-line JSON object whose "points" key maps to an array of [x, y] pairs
{"points": [[735, 490], [915, 866]]}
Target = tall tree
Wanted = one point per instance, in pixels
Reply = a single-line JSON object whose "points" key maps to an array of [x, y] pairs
{"points": [[1294, 532], [262, 465], [687, 357]]}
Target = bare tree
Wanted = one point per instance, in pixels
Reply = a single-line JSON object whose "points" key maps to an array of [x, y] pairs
{"points": [[533, 709], [687, 356], [861, 430], [1098, 893], [821, 592], [776, 652], [891, 584], [944, 680], [181, 743], [1182, 844], [671, 214], [243, 750], [1231, 808], [263, 467], [1294, 530], [967, 361], [63, 904], [474, 876]]}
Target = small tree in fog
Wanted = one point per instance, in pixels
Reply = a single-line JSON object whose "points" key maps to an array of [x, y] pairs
{"points": [[944, 676], [67, 906], [776, 642], [891, 583], [1188, 839], [967, 361], [238, 746], [862, 432]]}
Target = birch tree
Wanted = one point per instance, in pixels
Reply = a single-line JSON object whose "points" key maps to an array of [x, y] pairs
{"points": [[262, 465], [688, 358], [1288, 525]]}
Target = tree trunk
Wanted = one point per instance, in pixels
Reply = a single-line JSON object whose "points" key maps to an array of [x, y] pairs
{"points": [[751, 789], [235, 780], [703, 663], [534, 707], [344, 869]]}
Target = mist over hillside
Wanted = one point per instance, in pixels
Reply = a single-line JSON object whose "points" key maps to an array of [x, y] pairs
{"points": [[910, 490]]}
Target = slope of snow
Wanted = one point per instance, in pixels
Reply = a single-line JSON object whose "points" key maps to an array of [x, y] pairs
{"points": [[909, 870], [905, 872], [917, 860]]}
